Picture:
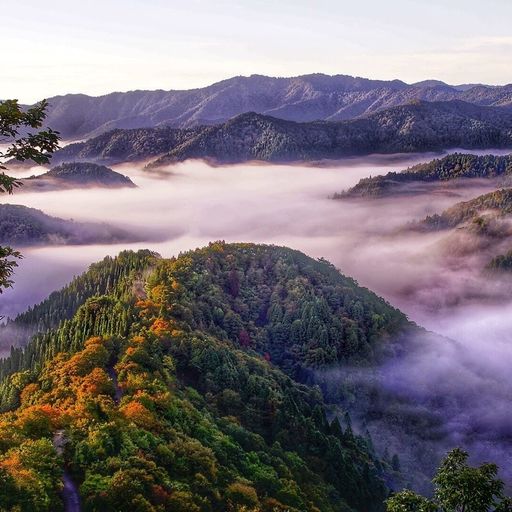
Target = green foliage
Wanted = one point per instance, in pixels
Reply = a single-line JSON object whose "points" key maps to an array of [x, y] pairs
{"points": [[167, 406], [52, 327], [458, 488]]}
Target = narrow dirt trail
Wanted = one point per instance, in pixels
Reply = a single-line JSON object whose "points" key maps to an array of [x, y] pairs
{"points": [[70, 494], [118, 394]]}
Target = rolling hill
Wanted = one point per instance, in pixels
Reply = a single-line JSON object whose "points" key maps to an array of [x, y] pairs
{"points": [[416, 127], [76, 175], [22, 227], [451, 167], [480, 209]]}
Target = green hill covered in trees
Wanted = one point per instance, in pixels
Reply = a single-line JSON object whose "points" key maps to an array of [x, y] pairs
{"points": [[451, 167], [180, 385]]}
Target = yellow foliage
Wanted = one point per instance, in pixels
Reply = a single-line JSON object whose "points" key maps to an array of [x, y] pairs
{"points": [[29, 394]]}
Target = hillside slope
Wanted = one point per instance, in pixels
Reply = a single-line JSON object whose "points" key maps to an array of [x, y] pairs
{"points": [[451, 167], [76, 175], [22, 226], [481, 209], [185, 394], [408, 128], [303, 98]]}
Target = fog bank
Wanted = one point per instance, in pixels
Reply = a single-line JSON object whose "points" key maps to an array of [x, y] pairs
{"points": [[424, 274]]}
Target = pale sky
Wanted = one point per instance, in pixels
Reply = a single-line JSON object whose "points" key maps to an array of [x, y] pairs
{"points": [[99, 46]]}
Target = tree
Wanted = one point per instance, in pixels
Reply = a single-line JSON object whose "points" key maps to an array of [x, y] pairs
{"points": [[458, 488], [38, 147]]}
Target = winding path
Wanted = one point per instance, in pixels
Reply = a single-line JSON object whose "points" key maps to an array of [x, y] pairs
{"points": [[70, 494], [118, 394]]}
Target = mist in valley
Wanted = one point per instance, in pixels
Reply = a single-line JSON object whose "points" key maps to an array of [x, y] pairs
{"points": [[437, 280]]}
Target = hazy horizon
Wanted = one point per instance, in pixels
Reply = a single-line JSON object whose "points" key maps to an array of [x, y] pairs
{"points": [[114, 46]]}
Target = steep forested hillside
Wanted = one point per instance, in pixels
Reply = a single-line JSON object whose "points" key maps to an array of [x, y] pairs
{"points": [[303, 98], [109, 276], [451, 167], [76, 175], [184, 394], [23, 226], [492, 205], [408, 128]]}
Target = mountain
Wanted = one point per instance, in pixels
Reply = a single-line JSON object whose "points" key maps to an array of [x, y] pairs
{"points": [[451, 167], [183, 386], [479, 210], [419, 126], [126, 145], [22, 227], [302, 98], [76, 175]]}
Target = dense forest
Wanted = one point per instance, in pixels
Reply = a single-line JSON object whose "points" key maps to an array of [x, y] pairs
{"points": [[419, 126], [451, 167], [109, 276], [177, 385]]}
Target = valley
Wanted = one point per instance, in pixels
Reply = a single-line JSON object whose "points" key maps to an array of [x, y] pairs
{"points": [[445, 290]]}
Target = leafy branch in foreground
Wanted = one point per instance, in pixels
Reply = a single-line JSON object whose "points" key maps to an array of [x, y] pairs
{"points": [[458, 488], [37, 147]]}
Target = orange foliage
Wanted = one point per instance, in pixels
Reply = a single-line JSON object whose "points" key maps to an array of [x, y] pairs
{"points": [[15, 467], [138, 414], [38, 419], [96, 383], [29, 393], [160, 327]]}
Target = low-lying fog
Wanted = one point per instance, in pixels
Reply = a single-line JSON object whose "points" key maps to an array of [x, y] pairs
{"points": [[436, 284]]}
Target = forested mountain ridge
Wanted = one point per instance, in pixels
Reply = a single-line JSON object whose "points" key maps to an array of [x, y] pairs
{"points": [[451, 167], [415, 127], [76, 175], [116, 276], [302, 98], [173, 396]]}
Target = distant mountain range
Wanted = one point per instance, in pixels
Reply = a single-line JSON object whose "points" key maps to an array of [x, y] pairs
{"points": [[455, 166], [76, 175], [302, 99], [416, 127]]}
